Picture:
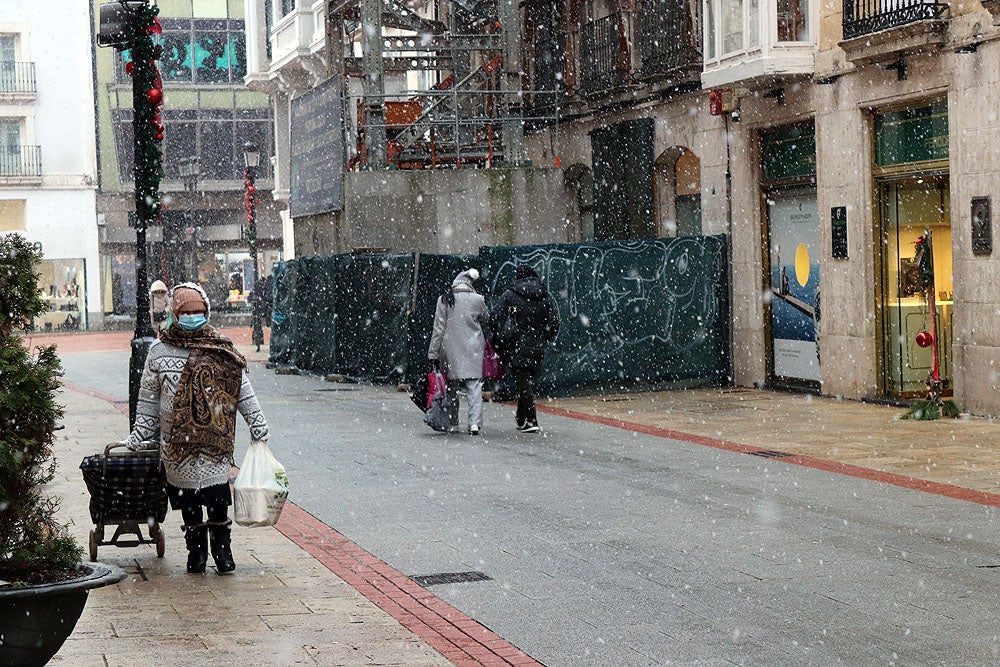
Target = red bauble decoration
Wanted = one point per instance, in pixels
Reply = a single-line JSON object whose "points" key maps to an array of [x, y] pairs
{"points": [[129, 66], [154, 96], [159, 136], [925, 339]]}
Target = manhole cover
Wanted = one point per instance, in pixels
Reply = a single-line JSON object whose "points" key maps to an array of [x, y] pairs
{"points": [[449, 578]]}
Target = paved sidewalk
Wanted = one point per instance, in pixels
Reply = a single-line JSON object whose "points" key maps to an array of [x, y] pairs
{"points": [[962, 452]]}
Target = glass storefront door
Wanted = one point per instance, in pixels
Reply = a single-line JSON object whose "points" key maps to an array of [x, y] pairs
{"points": [[911, 207]]}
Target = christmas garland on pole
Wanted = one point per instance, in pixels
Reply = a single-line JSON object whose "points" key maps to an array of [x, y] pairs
{"points": [[144, 53]]}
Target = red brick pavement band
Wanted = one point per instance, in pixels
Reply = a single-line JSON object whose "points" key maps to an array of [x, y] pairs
{"points": [[913, 483]]}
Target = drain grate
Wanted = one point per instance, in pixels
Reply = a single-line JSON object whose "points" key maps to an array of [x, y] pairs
{"points": [[449, 578], [338, 389], [771, 454]]}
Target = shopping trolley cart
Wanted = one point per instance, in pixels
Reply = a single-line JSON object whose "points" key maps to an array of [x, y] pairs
{"points": [[127, 489]]}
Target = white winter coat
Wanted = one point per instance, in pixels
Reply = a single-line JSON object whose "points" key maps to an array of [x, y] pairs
{"points": [[457, 341]]}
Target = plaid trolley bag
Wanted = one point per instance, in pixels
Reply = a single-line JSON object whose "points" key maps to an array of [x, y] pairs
{"points": [[128, 490]]}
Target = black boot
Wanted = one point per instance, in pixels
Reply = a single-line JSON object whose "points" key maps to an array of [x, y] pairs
{"points": [[219, 534], [196, 537]]}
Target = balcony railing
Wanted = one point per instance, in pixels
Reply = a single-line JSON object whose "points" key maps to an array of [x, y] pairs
{"points": [[604, 54], [863, 17], [664, 38], [17, 77], [20, 161]]}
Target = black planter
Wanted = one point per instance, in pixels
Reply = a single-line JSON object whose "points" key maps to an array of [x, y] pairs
{"points": [[36, 620]]}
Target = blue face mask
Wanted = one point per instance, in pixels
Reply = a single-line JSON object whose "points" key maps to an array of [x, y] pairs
{"points": [[191, 322]]}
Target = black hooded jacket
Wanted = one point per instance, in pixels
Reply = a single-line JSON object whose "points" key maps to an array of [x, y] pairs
{"points": [[529, 303]]}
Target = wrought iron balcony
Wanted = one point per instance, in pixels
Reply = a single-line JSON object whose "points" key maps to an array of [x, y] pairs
{"points": [[20, 161], [665, 40], [604, 54], [863, 17], [17, 77]]}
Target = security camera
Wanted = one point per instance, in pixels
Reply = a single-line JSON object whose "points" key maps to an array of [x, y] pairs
{"points": [[735, 115]]}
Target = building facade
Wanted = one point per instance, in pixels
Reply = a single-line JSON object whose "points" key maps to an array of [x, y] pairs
{"points": [[208, 117], [848, 150], [48, 166]]}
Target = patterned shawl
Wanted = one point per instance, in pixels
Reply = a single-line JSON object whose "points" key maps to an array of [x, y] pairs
{"points": [[204, 411]]}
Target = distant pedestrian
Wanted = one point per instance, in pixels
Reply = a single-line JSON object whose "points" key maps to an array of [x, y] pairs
{"points": [[527, 314], [159, 306], [192, 386], [457, 345]]}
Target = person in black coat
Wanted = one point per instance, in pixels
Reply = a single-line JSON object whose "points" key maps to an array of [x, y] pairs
{"points": [[524, 320]]}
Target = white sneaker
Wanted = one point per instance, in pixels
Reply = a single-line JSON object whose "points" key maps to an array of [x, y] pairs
{"points": [[473, 430]]}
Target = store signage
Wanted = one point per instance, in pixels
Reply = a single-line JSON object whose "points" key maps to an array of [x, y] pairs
{"points": [[982, 226], [838, 231], [912, 135], [317, 151], [788, 153]]}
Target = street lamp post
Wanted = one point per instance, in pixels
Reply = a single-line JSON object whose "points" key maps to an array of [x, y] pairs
{"points": [[251, 157], [129, 25]]}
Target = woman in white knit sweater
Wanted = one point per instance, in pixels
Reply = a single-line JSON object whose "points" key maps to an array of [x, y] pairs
{"points": [[193, 384]]}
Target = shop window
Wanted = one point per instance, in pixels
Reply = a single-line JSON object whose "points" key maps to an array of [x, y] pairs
{"points": [[12, 215], [61, 282]]}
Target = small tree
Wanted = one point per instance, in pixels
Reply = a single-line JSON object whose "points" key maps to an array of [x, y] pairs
{"points": [[33, 546]]}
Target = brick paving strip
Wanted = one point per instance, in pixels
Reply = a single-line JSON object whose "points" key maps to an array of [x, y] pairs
{"points": [[454, 635]]}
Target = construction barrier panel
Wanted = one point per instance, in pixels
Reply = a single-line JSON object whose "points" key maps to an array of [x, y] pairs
{"points": [[633, 313]]}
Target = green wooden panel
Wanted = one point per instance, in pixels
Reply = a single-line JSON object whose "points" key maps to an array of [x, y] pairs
{"points": [[373, 295], [632, 313], [912, 135], [282, 339]]}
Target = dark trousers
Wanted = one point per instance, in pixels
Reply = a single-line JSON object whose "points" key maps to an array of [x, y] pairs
{"points": [[525, 396]]}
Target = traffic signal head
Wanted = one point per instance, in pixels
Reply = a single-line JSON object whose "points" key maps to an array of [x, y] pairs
{"points": [[119, 23]]}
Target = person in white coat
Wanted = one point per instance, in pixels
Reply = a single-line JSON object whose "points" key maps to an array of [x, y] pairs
{"points": [[457, 345]]}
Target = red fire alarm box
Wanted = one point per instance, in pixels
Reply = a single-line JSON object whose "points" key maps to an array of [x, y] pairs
{"points": [[715, 102]]}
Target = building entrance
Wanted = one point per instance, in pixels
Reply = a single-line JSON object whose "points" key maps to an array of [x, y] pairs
{"points": [[912, 208]]}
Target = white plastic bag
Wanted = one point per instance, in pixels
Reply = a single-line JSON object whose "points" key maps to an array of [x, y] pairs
{"points": [[261, 487]]}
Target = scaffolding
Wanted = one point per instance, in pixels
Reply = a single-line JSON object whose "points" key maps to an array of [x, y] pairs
{"points": [[471, 110]]}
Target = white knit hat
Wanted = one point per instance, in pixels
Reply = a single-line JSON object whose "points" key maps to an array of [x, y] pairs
{"points": [[467, 276]]}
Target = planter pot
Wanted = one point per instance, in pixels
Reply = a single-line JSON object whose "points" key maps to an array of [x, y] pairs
{"points": [[36, 620]]}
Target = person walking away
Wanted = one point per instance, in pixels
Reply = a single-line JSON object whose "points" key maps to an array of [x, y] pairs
{"points": [[457, 344], [535, 322], [159, 306], [193, 384]]}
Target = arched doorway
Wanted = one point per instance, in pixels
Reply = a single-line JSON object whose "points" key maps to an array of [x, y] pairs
{"points": [[677, 180]]}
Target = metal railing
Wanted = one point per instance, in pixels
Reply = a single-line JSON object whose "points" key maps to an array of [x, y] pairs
{"points": [[863, 17], [17, 77], [20, 161], [664, 39], [604, 54]]}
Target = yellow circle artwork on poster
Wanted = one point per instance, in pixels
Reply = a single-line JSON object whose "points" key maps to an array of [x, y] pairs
{"points": [[802, 264]]}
